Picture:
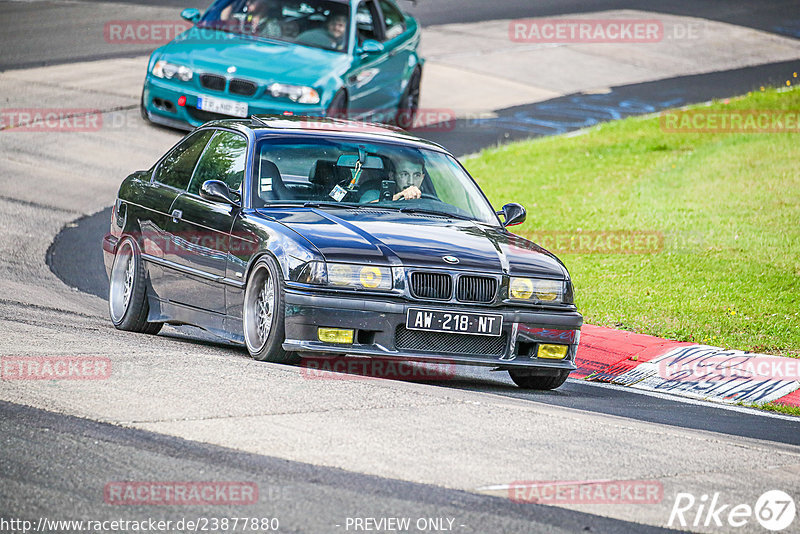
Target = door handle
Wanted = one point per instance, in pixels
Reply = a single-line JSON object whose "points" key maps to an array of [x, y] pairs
{"points": [[176, 215]]}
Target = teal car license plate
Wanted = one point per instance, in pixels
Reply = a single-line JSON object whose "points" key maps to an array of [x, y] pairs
{"points": [[485, 324]]}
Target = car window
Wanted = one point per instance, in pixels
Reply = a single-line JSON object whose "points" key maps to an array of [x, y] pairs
{"points": [[366, 22], [317, 23], [224, 159], [393, 18], [176, 169], [366, 174]]}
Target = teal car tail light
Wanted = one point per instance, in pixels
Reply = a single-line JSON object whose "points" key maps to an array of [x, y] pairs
{"points": [[296, 93], [169, 71]]}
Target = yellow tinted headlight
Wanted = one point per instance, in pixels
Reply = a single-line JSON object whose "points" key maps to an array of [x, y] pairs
{"points": [[548, 290], [535, 289], [521, 288], [359, 276], [370, 277], [340, 274]]}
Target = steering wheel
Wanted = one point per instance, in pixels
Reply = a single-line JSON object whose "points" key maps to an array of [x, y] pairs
{"points": [[426, 196]]}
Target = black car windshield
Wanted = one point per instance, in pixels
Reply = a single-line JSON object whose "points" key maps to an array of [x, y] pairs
{"points": [[317, 23], [325, 171]]}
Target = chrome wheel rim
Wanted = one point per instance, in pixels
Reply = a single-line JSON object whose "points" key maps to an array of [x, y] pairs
{"points": [[123, 275], [259, 309]]}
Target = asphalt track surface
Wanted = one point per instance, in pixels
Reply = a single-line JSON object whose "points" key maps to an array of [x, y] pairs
{"points": [[303, 497], [60, 463]]}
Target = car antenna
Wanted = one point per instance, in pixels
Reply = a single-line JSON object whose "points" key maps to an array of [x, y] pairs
{"points": [[256, 118]]}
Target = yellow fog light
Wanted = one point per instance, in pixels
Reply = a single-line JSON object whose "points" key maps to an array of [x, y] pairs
{"points": [[521, 288], [370, 277], [335, 335], [552, 352]]}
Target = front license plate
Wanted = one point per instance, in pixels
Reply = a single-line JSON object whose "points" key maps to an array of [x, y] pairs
{"points": [[458, 323], [222, 106]]}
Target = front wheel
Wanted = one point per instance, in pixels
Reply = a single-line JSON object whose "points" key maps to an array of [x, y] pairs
{"points": [[127, 291], [142, 109], [338, 107], [524, 379], [263, 314], [409, 104]]}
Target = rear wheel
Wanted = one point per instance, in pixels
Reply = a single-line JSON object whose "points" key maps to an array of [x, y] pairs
{"points": [[263, 314], [524, 379], [409, 104], [127, 291]]}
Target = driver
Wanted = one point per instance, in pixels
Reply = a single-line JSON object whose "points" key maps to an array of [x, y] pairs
{"points": [[332, 36], [408, 177]]}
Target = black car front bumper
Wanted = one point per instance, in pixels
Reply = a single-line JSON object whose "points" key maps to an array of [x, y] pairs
{"points": [[379, 326]]}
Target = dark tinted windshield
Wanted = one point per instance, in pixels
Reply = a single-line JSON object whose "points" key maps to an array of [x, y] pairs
{"points": [[318, 23]]}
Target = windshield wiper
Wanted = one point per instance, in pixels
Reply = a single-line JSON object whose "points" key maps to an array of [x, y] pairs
{"points": [[434, 212]]}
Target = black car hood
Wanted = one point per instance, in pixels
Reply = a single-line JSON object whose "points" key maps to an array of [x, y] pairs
{"points": [[415, 240]]}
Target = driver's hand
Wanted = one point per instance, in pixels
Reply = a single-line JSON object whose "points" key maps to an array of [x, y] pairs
{"points": [[409, 193]]}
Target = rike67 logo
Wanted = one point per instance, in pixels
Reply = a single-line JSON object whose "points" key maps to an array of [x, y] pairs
{"points": [[774, 510]]}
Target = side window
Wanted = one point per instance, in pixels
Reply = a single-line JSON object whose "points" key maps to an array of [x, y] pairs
{"points": [[224, 160], [176, 169], [366, 22], [395, 22]]}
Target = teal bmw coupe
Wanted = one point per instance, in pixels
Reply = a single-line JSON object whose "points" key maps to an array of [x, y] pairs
{"points": [[335, 58]]}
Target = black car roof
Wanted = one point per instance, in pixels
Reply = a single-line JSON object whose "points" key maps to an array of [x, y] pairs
{"points": [[266, 125]]}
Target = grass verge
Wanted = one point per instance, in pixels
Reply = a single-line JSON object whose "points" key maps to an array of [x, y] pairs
{"points": [[711, 222]]}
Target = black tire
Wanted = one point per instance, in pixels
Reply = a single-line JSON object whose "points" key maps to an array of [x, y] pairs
{"points": [[143, 110], [409, 104], [263, 325], [524, 379], [338, 107], [127, 291]]}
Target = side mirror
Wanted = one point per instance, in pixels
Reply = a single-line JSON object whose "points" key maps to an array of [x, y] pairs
{"points": [[217, 191], [191, 14], [370, 46], [513, 214]]}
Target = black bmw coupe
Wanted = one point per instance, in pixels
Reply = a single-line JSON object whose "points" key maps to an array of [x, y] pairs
{"points": [[297, 235]]}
